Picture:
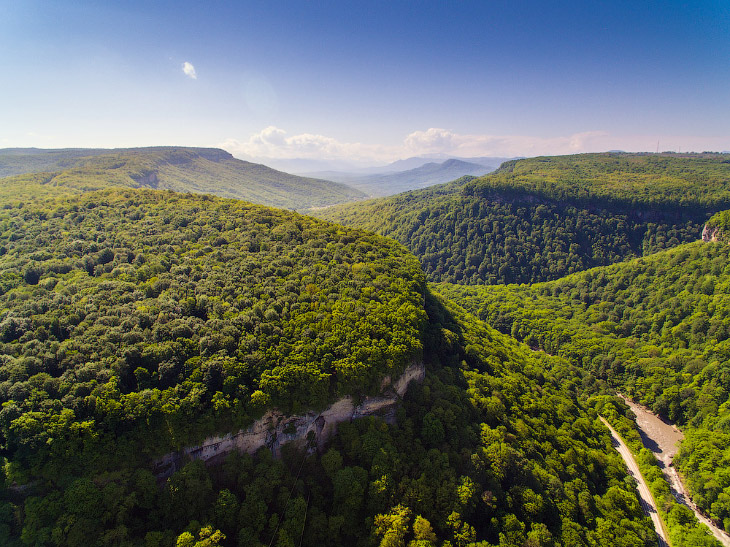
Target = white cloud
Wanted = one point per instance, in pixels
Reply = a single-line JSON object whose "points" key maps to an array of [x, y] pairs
{"points": [[274, 143], [189, 70], [443, 141]]}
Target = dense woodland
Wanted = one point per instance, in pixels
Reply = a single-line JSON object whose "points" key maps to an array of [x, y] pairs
{"points": [[136, 322], [639, 180], [657, 328], [543, 218], [122, 308]]}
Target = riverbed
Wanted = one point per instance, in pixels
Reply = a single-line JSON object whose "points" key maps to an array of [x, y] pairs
{"points": [[663, 439]]}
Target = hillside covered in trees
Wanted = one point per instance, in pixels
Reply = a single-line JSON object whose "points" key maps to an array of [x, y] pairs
{"points": [[197, 170], [135, 322], [113, 293], [656, 328], [542, 218]]}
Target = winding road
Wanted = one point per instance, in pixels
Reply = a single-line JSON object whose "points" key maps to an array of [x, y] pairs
{"points": [[645, 497]]}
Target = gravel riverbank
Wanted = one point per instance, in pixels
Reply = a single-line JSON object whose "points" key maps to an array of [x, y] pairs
{"points": [[663, 439]]}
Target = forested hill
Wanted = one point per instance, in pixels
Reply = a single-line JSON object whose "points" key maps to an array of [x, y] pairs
{"points": [[542, 218], [197, 170], [135, 322], [633, 180], [117, 292], [656, 328]]}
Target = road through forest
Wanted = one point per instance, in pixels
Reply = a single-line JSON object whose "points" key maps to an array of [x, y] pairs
{"points": [[645, 497]]}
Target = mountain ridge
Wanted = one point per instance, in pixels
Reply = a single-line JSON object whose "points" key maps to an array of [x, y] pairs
{"points": [[426, 174], [542, 218], [182, 169], [136, 322]]}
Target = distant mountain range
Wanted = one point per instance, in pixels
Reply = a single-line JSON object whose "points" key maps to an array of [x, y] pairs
{"points": [[197, 170], [418, 161], [411, 174]]}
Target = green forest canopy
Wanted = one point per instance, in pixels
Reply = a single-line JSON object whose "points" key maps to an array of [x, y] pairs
{"points": [[128, 307], [657, 328], [543, 218], [134, 322]]}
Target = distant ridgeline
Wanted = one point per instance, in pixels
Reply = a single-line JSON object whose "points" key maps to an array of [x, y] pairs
{"points": [[542, 218], [136, 322], [197, 170]]}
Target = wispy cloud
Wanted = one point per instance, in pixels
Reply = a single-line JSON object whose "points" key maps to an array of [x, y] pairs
{"points": [[275, 143], [189, 70]]}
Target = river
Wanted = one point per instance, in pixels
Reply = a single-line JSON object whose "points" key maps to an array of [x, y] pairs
{"points": [[663, 439]]}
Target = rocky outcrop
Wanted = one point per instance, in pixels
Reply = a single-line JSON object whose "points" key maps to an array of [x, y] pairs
{"points": [[710, 233], [311, 430], [147, 179]]}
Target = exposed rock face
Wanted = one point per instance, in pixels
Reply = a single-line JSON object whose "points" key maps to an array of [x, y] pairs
{"points": [[273, 429], [710, 234], [148, 179]]}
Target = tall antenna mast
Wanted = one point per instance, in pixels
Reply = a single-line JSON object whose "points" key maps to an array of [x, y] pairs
{"points": [[657, 146]]}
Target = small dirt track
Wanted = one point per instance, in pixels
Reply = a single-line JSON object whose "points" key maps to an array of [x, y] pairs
{"points": [[645, 497]]}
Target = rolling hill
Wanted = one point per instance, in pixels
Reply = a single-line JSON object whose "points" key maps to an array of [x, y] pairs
{"points": [[135, 322], [197, 170], [542, 218], [18, 161]]}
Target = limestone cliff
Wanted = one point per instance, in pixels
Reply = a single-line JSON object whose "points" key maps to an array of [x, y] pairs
{"points": [[710, 233], [274, 429]]}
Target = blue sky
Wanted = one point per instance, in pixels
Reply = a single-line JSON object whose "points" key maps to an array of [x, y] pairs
{"points": [[367, 81]]}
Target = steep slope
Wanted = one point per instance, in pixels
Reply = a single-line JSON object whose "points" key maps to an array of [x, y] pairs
{"points": [[543, 218], [118, 292], [658, 328], [717, 228], [197, 170], [136, 322]]}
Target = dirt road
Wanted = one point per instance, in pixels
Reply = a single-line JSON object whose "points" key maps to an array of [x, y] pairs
{"points": [[645, 497]]}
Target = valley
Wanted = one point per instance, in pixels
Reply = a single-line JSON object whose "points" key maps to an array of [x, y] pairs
{"points": [[364, 274], [663, 440], [540, 219], [390, 182], [147, 331]]}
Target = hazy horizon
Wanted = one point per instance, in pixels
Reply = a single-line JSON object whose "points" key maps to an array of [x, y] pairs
{"points": [[367, 83]]}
